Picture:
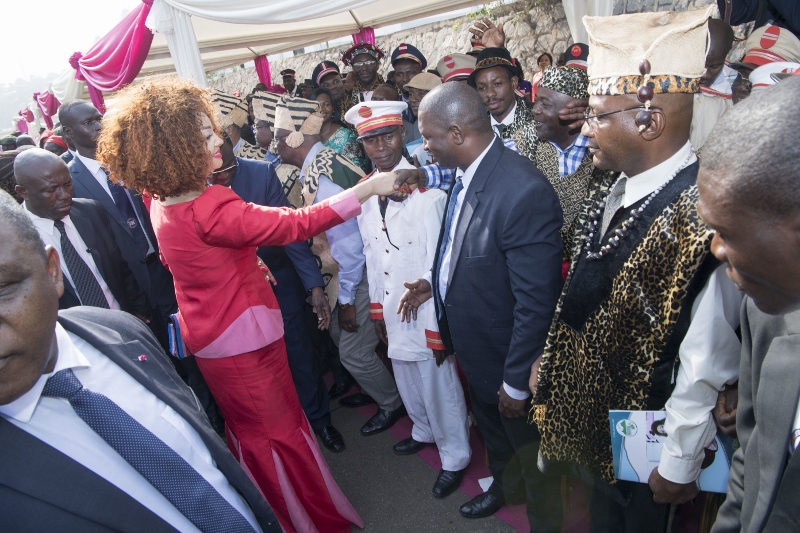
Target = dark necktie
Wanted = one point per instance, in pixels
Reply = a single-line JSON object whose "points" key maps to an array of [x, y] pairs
{"points": [[123, 203], [501, 130], [458, 186], [86, 284], [159, 464]]}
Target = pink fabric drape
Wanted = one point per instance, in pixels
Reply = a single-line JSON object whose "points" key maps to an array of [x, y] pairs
{"points": [[366, 35], [22, 125], [116, 59], [27, 114], [49, 105], [263, 71]]}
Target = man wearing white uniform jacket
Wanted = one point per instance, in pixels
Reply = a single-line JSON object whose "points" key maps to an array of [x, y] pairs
{"points": [[400, 240]]}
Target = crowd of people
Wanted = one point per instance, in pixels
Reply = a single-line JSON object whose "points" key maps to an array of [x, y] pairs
{"points": [[618, 233]]}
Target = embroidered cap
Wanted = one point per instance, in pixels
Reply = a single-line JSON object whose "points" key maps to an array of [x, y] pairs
{"points": [[361, 48], [322, 70], [455, 67], [769, 44], [571, 81], [661, 52], [407, 51], [230, 109], [374, 115], [576, 56], [299, 116]]}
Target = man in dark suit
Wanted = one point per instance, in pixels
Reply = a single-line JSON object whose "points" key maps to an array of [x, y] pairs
{"points": [[749, 195], [297, 275], [130, 223], [495, 281], [63, 467], [45, 184]]}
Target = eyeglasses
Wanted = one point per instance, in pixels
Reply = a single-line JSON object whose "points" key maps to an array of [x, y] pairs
{"points": [[221, 170], [369, 63], [587, 114]]}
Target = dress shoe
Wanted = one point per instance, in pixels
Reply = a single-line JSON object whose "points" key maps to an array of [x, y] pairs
{"points": [[339, 389], [447, 482], [410, 446], [482, 505], [382, 420], [331, 438], [358, 399]]}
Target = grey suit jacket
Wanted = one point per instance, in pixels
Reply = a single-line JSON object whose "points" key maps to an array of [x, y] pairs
{"points": [[41, 489], [764, 487]]}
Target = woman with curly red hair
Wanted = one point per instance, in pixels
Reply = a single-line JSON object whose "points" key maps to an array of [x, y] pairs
{"points": [[160, 136]]}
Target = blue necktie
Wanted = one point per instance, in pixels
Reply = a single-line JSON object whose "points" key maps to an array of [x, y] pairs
{"points": [[172, 476], [458, 186], [125, 208]]}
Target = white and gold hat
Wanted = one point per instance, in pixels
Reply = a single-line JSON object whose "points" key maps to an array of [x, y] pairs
{"points": [[768, 74], [665, 51], [230, 109], [370, 116], [300, 117], [456, 67]]}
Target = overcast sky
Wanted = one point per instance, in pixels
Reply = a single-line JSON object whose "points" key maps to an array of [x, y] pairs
{"points": [[39, 36]]}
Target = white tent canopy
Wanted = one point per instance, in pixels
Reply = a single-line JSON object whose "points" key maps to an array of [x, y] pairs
{"points": [[282, 27]]}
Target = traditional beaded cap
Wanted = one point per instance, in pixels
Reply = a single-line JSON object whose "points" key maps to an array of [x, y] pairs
{"points": [[674, 44], [229, 109]]}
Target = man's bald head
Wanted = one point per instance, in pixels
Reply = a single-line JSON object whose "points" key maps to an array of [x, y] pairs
{"points": [[456, 104], [44, 182], [753, 153], [454, 123]]}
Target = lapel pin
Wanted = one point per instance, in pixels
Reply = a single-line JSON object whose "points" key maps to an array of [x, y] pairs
{"points": [[142, 357]]}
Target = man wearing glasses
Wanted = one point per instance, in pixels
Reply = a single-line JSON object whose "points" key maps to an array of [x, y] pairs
{"points": [[647, 319], [365, 59]]}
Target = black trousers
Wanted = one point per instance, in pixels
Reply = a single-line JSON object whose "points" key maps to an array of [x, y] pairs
{"points": [[638, 513], [507, 437]]}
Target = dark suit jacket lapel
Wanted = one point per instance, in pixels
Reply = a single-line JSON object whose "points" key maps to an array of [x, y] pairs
{"points": [[36, 469], [471, 201], [81, 174], [777, 401]]}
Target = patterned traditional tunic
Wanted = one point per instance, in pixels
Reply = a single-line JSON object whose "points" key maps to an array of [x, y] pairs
{"points": [[619, 324]]}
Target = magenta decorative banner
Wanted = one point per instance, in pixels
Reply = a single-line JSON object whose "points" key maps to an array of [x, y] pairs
{"points": [[49, 105], [116, 59], [22, 125], [366, 35], [263, 71]]}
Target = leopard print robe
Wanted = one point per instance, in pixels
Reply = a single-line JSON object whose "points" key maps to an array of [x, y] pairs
{"points": [[523, 130], [614, 340], [345, 174]]}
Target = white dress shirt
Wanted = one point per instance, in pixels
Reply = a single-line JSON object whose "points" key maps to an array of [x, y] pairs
{"points": [[709, 354], [506, 121], [444, 264], [54, 422], [102, 178], [50, 235]]}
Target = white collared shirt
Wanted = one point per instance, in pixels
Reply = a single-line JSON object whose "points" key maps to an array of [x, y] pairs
{"points": [[506, 121], [644, 184], [102, 178], [50, 235], [54, 422]]}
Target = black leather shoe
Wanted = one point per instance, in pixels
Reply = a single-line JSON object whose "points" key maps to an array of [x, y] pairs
{"points": [[382, 421], [331, 438], [447, 483], [358, 399], [339, 389], [481, 506], [410, 446]]}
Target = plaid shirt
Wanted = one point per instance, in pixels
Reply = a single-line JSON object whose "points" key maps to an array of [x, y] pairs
{"points": [[570, 159], [437, 177]]}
